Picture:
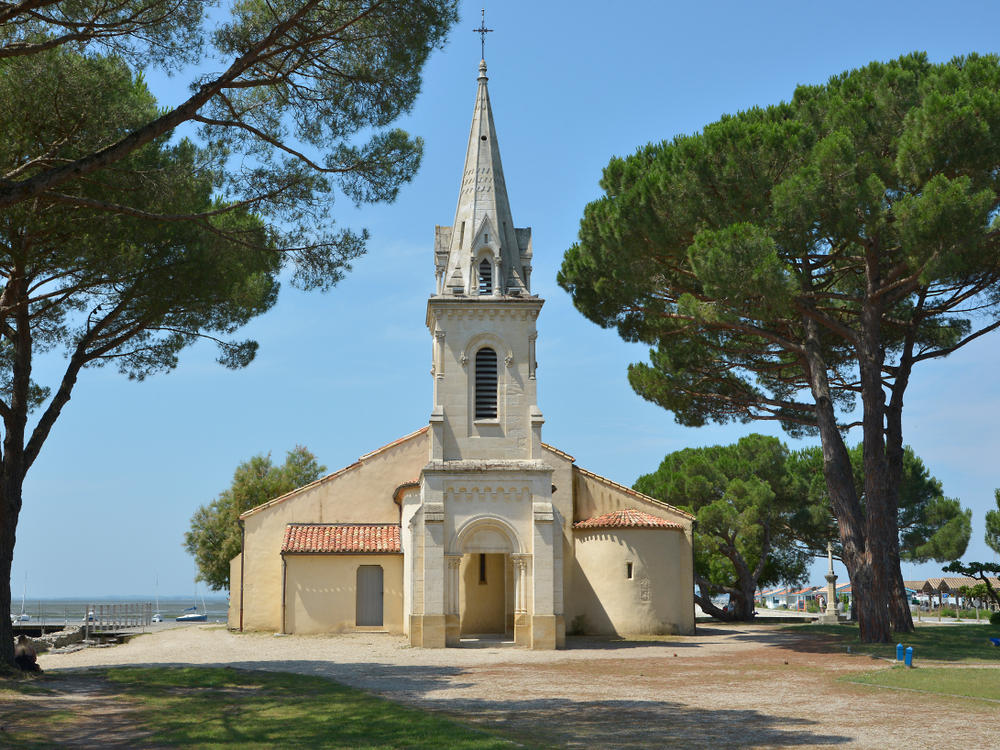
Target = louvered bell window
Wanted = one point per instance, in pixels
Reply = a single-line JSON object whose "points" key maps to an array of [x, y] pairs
{"points": [[486, 277], [486, 384]]}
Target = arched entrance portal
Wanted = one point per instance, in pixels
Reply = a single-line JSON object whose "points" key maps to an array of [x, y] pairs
{"points": [[485, 566], [483, 608]]}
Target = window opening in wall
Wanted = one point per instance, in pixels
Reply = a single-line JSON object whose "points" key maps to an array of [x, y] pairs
{"points": [[486, 277], [482, 567], [628, 570], [486, 384], [461, 236]]}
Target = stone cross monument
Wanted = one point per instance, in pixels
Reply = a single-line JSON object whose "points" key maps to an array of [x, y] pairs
{"points": [[830, 616]]}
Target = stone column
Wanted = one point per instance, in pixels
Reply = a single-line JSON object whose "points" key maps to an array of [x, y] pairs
{"points": [[452, 618], [432, 624], [522, 622], [543, 604]]}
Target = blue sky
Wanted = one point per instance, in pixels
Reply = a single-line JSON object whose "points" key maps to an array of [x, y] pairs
{"points": [[108, 501]]}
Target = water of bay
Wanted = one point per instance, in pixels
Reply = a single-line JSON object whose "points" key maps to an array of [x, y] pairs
{"points": [[70, 610]]}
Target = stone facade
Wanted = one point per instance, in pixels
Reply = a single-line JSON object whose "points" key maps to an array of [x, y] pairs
{"points": [[486, 509]]}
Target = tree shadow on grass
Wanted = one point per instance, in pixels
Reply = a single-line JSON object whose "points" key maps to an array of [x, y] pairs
{"points": [[543, 722], [569, 723], [641, 724]]}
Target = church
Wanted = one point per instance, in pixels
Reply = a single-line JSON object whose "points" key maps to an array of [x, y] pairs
{"points": [[471, 525]]}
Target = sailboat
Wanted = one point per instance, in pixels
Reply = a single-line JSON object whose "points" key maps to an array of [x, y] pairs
{"points": [[24, 616], [157, 617], [191, 614]]}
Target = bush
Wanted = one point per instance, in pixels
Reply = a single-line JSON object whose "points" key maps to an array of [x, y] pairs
{"points": [[995, 618], [812, 606], [946, 612]]}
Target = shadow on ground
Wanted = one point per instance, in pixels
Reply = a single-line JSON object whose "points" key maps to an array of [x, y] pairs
{"points": [[557, 722]]}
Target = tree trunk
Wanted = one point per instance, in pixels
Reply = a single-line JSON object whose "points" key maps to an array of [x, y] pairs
{"points": [[873, 620], [6, 562], [703, 598], [743, 601], [10, 507], [13, 465], [880, 492], [899, 605]]}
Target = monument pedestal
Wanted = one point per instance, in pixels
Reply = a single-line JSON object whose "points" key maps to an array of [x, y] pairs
{"points": [[830, 616]]}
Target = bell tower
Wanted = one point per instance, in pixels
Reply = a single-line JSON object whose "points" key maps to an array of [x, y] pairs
{"points": [[482, 314], [486, 490]]}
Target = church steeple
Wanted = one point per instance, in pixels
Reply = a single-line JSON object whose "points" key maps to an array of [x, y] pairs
{"points": [[482, 253]]}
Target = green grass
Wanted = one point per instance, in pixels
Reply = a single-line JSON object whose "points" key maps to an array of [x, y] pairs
{"points": [[965, 682], [195, 707], [224, 707], [957, 643]]}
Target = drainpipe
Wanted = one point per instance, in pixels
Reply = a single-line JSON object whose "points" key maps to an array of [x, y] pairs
{"points": [[243, 559], [284, 576], [694, 619]]}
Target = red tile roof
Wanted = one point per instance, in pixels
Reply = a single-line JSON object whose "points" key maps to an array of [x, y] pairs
{"points": [[341, 537], [627, 518]]}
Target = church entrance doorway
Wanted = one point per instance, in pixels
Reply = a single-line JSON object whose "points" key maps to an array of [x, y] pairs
{"points": [[483, 602], [369, 596]]}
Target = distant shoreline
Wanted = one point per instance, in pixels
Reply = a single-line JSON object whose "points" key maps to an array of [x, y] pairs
{"points": [[110, 598]]}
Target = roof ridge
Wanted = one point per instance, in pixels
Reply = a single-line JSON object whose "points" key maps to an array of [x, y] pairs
{"points": [[333, 475], [630, 491]]}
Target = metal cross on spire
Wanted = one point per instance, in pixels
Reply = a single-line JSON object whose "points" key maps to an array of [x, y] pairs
{"points": [[482, 31]]}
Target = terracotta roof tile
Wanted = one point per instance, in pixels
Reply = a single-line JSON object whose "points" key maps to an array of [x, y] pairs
{"points": [[341, 537], [627, 518]]}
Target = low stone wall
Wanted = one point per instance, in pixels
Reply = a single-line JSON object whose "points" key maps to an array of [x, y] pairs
{"points": [[57, 639]]}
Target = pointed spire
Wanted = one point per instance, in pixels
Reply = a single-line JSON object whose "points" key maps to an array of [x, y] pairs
{"points": [[483, 225]]}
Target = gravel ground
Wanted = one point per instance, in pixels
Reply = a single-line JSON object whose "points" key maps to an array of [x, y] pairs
{"points": [[747, 686]]}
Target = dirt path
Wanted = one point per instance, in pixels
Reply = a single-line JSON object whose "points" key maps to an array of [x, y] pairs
{"points": [[754, 686]]}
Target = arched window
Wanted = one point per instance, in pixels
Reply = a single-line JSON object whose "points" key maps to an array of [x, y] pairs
{"points": [[486, 384], [486, 277]]}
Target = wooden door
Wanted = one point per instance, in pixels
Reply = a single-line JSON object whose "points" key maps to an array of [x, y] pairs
{"points": [[369, 596]]}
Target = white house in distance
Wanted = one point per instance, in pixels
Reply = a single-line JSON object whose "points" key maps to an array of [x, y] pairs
{"points": [[470, 525]]}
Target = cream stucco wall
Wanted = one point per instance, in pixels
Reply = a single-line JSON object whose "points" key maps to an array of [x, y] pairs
{"points": [[596, 570], [360, 493], [235, 581], [595, 495], [656, 599], [321, 592], [562, 504]]}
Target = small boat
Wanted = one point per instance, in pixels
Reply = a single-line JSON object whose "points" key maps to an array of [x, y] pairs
{"points": [[157, 617], [192, 615], [24, 616]]}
